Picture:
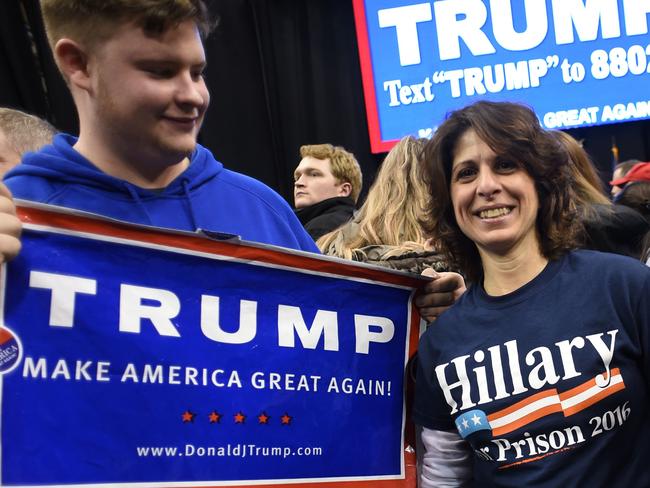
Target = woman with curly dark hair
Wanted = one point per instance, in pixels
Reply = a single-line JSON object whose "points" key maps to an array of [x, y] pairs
{"points": [[538, 375]]}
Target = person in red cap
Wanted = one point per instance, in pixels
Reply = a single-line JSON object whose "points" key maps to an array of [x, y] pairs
{"points": [[639, 172], [621, 170]]}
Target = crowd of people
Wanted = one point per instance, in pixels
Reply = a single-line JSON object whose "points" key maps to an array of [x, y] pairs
{"points": [[510, 221]]}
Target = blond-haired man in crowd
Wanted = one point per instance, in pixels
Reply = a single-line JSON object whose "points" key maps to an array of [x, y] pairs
{"points": [[327, 184]]}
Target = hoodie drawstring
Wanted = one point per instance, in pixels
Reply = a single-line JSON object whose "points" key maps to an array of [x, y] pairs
{"points": [[188, 201], [185, 182], [138, 201]]}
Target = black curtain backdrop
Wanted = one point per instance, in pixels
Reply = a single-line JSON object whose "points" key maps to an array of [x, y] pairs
{"points": [[281, 73]]}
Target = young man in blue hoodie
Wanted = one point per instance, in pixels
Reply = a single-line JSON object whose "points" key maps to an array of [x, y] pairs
{"points": [[135, 71]]}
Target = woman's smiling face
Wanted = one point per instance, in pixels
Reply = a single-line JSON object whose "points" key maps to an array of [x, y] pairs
{"points": [[495, 201]]}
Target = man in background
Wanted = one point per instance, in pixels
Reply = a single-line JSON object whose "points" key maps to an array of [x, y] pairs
{"points": [[639, 171], [620, 170], [20, 133], [327, 183]]}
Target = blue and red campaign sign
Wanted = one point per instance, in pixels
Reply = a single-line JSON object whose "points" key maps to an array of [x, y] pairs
{"points": [[576, 63], [133, 356]]}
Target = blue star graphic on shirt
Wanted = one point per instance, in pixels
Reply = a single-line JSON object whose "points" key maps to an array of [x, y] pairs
{"points": [[472, 421]]}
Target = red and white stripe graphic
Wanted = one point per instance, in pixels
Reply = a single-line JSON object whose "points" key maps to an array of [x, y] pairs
{"points": [[585, 395], [548, 402], [524, 412]]}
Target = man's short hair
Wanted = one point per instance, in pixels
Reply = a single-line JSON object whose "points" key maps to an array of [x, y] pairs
{"points": [[345, 166], [93, 21], [25, 132], [626, 166]]}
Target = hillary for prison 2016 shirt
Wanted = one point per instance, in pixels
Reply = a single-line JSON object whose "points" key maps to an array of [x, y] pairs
{"points": [[548, 384]]}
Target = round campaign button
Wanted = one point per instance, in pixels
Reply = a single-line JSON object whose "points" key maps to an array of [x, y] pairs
{"points": [[9, 350]]}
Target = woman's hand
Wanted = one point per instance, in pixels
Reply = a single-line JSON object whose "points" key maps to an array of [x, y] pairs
{"points": [[439, 294]]}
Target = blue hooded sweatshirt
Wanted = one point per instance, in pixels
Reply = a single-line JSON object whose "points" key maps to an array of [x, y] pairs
{"points": [[205, 196]]}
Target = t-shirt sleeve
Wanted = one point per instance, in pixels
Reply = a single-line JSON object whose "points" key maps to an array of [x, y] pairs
{"points": [[643, 318], [429, 407]]}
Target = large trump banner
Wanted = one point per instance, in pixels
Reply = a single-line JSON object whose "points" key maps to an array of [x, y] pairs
{"points": [[131, 356], [577, 63]]}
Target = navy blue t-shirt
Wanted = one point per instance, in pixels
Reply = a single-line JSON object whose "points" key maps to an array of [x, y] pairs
{"points": [[549, 384]]}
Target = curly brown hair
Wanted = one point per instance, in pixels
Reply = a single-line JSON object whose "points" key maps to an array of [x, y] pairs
{"points": [[513, 132]]}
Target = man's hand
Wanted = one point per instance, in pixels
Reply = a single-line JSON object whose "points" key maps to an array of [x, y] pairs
{"points": [[10, 226], [439, 294]]}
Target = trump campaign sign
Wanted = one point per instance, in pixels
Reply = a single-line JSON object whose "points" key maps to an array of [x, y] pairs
{"points": [[133, 356], [576, 63]]}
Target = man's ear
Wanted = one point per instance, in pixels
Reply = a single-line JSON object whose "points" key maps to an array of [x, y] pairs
{"points": [[72, 60], [345, 189]]}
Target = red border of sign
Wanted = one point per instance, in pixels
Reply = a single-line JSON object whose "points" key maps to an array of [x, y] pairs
{"points": [[196, 242], [377, 145], [62, 219]]}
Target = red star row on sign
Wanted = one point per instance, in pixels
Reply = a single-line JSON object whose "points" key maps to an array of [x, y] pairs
{"points": [[215, 417]]}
